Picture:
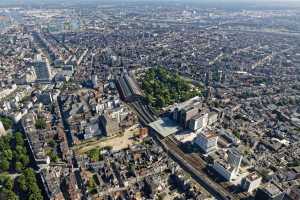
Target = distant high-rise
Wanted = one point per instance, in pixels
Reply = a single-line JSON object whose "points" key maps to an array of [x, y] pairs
{"points": [[94, 80], [207, 78]]}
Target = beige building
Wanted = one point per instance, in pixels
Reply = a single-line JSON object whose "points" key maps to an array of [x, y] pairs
{"points": [[2, 130]]}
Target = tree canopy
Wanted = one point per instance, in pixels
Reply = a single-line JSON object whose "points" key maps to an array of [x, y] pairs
{"points": [[163, 88], [14, 159], [31, 187], [40, 123], [7, 123], [95, 155], [13, 154]]}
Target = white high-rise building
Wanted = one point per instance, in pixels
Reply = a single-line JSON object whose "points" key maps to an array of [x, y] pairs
{"points": [[207, 141], [228, 166], [2, 129], [212, 118], [251, 182], [235, 159], [198, 122], [94, 80]]}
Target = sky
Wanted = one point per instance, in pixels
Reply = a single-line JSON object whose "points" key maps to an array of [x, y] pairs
{"points": [[198, 1], [25, 1]]}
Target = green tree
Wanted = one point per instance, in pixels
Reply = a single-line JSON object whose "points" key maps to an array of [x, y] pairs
{"points": [[8, 154], [40, 123], [163, 88], [21, 181], [18, 166], [24, 159], [35, 196], [5, 142], [9, 195], [27, 183], [160, 102], [29, 175], [33, 188], [4, 165], [7, 123], [131, 169], [94, 155], [53, 156], [19, 139], [6, 182], [91, 183], [237, 134], [9, 183], [51, 143], [20, 150]]}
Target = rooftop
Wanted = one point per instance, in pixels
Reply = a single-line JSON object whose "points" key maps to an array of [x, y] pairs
{"points": [[253, 176], [165, 126], [272, 190], [209, 134]]}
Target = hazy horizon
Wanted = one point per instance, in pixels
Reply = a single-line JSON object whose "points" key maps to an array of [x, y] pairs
{"points": [[222, 4], [195, 1]]}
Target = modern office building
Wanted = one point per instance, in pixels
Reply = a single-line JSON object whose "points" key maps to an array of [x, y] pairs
{"points": [[251, 182], [235, 158], [185, 111], [228, 165], [207, 141], [198, 122]]}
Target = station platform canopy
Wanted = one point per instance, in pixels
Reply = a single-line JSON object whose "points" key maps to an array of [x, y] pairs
{"points": [[165, 126]]}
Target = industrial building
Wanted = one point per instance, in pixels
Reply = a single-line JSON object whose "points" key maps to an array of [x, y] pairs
{"points": [[128, 88]]}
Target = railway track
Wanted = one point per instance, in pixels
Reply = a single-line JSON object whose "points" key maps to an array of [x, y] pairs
{"points": [[143, 112], [195, 166], [146, 111], [143, 118], [198, 163]]}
